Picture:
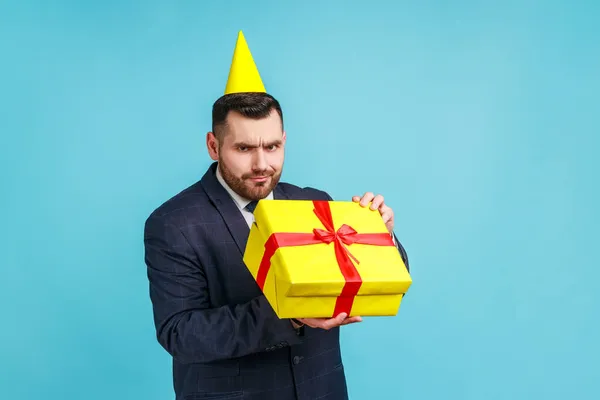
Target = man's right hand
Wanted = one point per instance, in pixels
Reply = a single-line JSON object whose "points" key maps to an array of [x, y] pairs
{"points": [[329, 323]]}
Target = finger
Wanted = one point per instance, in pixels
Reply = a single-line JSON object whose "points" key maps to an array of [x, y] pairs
{"points": [[337, 321], [305, 321], [385, 209], [377, 202], [387, 215], [366, 199], [324, 323], [312, 322], [333, 322], [355, 199], [352, 320]]}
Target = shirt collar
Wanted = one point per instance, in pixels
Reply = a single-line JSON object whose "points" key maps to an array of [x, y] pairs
{"points": [[240, 201]]}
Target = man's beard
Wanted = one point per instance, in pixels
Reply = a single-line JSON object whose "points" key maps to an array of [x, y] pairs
{"points": [[245, 187]]}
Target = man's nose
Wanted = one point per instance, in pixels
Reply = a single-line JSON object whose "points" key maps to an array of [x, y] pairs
{"points": [[260, 160]]}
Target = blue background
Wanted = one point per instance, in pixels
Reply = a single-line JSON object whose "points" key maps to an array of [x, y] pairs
{"points": [[477, 121]]}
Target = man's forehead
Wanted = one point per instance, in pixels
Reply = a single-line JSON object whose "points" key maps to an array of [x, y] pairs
{"points": [[255, 137], [255, 131]]}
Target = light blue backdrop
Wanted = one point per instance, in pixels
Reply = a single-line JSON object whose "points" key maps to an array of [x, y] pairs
{"points": [[476, 121]]}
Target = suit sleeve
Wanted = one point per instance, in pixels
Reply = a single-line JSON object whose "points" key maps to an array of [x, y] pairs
{"points": [[186, 325], [402, 252]]}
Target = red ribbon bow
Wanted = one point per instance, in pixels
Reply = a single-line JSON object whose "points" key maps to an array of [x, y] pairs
{"points": [[344, 236]]}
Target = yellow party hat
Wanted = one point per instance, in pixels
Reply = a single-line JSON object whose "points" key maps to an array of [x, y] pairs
{"points": [[243, 74]]}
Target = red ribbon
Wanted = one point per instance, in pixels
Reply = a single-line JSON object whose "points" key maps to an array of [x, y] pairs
{"points": [[344, 236]]}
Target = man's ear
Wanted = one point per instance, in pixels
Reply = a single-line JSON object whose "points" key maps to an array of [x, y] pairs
{"points": [[212, 145], [283, 138]]}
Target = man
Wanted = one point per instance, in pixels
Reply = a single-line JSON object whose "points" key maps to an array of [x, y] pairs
{"points": [[225, 339]]}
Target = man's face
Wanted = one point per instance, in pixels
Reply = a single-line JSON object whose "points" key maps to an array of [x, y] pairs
{"points": [[250, 154]]}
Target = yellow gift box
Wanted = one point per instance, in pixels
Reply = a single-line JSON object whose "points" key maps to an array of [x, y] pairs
{"points": [[315, 259]]}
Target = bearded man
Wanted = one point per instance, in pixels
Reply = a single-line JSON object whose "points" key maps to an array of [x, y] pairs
{"points": [[224, 337]]}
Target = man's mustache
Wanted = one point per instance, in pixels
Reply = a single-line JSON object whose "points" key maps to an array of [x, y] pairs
{"points": [[259, 174]]}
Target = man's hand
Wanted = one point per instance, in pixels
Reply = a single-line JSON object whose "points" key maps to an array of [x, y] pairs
{"points": [[327, 324], [377, 203]]}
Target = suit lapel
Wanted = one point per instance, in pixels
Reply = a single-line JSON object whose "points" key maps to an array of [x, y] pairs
{"points": [[279, 194], [234, 220], [236, 224]]}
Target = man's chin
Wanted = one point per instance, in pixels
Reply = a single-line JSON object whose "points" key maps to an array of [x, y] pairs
{"points": [[260, 190], [258, 193]]}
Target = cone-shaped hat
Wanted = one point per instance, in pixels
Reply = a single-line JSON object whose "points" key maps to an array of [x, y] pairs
{"points": [[243, 74]]}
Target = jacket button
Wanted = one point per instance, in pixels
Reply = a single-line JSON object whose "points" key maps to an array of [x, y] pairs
{"points": [[297, 360]]}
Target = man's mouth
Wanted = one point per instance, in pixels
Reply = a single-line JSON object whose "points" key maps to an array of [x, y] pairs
{"points": [[259, 178]]}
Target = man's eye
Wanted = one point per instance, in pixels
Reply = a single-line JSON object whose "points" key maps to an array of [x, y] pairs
{"points": [[242, 148]]}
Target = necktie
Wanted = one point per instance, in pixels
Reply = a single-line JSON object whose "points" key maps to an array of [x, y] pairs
{"points": [[251, 206]]}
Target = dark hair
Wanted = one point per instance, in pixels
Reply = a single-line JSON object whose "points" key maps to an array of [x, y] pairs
{"points": [[251, 105]]}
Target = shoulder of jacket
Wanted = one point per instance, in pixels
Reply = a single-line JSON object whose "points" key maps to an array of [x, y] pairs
{"points": [[174, 207], [306, 192]]}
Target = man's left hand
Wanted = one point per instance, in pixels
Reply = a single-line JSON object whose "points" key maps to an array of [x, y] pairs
{"points": [[377, 204]]}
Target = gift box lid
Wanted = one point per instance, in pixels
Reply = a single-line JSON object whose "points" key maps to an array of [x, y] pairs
{"points": [[305, 263]]}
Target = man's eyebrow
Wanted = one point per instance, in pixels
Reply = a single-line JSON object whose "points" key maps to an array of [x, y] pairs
{"points": [[252, 146], [273, 142]]}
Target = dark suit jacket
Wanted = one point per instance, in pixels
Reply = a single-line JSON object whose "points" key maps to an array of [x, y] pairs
{"points": [[225, 339]]}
